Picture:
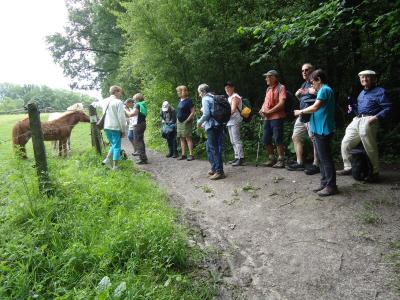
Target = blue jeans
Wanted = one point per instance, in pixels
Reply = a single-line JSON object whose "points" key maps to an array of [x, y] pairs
{"points": [[172, 145], [214, 147], [114, 137], [131, 135], [326, 164]]}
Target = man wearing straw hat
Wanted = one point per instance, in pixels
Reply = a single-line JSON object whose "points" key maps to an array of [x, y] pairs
{"points": [[373, 106]]}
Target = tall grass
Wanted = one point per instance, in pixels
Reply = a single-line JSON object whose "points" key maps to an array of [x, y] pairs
{"points": [[100, 226]]}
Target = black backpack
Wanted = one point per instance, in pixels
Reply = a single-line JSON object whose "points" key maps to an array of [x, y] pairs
{"points": [[290, 104], [361, 166], [222, 109]]}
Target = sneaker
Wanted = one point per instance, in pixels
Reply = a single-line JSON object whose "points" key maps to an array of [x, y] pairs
{"points": [[107, 163], [295, 167], [239, 162], [175, 155], [328, 191], [183, 157], [233, 161], [269, 163], [279, 164], [217, 176], [312, 170], [191, 157], [210, 173], [373, 178], [115, 168], [320, 188], [168, 155], [142, 162], [343, 172]]}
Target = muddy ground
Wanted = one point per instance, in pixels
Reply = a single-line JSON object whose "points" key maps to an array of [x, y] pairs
{"points": [[276, 239]]}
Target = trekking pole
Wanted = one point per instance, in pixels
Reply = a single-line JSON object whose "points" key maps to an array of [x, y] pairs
{"points": [[258, 143]]}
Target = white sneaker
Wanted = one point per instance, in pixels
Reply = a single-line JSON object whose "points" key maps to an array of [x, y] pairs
{"points": [[115, 168], [107, 163]]}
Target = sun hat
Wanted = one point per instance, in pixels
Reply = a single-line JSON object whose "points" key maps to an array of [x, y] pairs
{"points": [[165, 106], [366, 72]]}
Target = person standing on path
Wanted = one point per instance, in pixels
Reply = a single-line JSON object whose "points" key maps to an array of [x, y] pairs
{"points": [[139, 110], [168, 123], [114, 126], [234, 122], [132, 121], [273, 113], [214, 132], [185, 114], [306, 94], [322, 123], [373, 106]]}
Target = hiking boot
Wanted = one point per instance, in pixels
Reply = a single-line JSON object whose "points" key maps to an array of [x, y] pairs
{"points": [[217, 176], [175, 155], [142, 162], [295, 167], [320, 188], [328, 191], [269, 163], [190, 158], [233, 161], [279, 164], [239, 162], [312, 170], [168, 155], [343, 172], [210, 173], [373, 178], [182, 157]]}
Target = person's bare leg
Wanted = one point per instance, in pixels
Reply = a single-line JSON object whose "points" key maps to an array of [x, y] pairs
{"points": [[298, 148], [183, 146], [281, 151], [190, 144]]}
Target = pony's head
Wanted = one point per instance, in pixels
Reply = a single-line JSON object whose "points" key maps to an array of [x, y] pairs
{"points": [[82, 116], [76, 106]]}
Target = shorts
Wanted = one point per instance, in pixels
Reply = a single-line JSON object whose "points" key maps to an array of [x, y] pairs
{"points": [[301, 129], [273, 129], [184, 129]]}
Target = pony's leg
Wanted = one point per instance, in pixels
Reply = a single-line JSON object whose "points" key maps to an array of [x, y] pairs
{"points": [[64, 147], [60, 148]]}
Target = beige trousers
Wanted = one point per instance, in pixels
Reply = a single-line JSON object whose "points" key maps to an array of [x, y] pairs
{"points": [[360, 131]]}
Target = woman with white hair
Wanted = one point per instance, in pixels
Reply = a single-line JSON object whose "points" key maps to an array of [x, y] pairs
{"points": [[168, 122], [185, 114]]}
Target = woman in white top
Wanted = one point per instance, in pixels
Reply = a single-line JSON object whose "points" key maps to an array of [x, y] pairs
{"points": [[233, 124]]}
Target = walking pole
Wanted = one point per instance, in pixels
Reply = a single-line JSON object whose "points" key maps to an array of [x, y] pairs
{"points": [[258, 143]]}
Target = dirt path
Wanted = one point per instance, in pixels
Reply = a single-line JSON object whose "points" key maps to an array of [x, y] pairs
{"points": [[279, 240]]}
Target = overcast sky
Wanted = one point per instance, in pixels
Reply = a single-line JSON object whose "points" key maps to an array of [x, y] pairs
{"points": [[24, 58]]}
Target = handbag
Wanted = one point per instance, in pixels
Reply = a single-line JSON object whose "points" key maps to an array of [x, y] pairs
{"points": [[100, 123]]}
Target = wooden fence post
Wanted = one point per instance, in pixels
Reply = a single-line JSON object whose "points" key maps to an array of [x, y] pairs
{"points": [[95, 132], [39, 149]]}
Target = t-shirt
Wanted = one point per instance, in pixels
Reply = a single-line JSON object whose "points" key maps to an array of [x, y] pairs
{"points": [[183, 109], [307, 96], [140, 117], [322, 121]]}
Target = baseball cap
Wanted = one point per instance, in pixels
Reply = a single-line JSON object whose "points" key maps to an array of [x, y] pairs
{"points": [[271, 73]]}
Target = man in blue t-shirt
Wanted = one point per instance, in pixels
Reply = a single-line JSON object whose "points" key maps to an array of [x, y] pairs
{"points": [[373, 106], [306, 95]]}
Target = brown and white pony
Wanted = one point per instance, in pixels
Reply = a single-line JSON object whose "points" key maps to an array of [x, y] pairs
{"points": [[57, 130]]}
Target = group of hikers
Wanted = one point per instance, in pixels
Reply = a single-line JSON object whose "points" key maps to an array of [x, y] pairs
{"points": [[315, 119]]}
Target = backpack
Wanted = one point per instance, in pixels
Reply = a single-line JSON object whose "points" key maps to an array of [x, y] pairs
{"points": [[142, 108], [246, 112], [290, 104], [222, 109], [361, 166]]}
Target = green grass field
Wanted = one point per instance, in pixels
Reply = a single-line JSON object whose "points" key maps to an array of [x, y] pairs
{"points": [[100, 226]]}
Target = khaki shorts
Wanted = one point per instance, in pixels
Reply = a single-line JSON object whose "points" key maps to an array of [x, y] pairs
{"points": [[301, 129], [184, 129]]}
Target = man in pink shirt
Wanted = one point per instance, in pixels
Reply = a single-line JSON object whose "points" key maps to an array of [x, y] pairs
{"points": [[273, 113]]}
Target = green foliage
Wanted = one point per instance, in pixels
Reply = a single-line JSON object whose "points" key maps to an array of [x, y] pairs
{"points": [[13, 96], [99, 223]]}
